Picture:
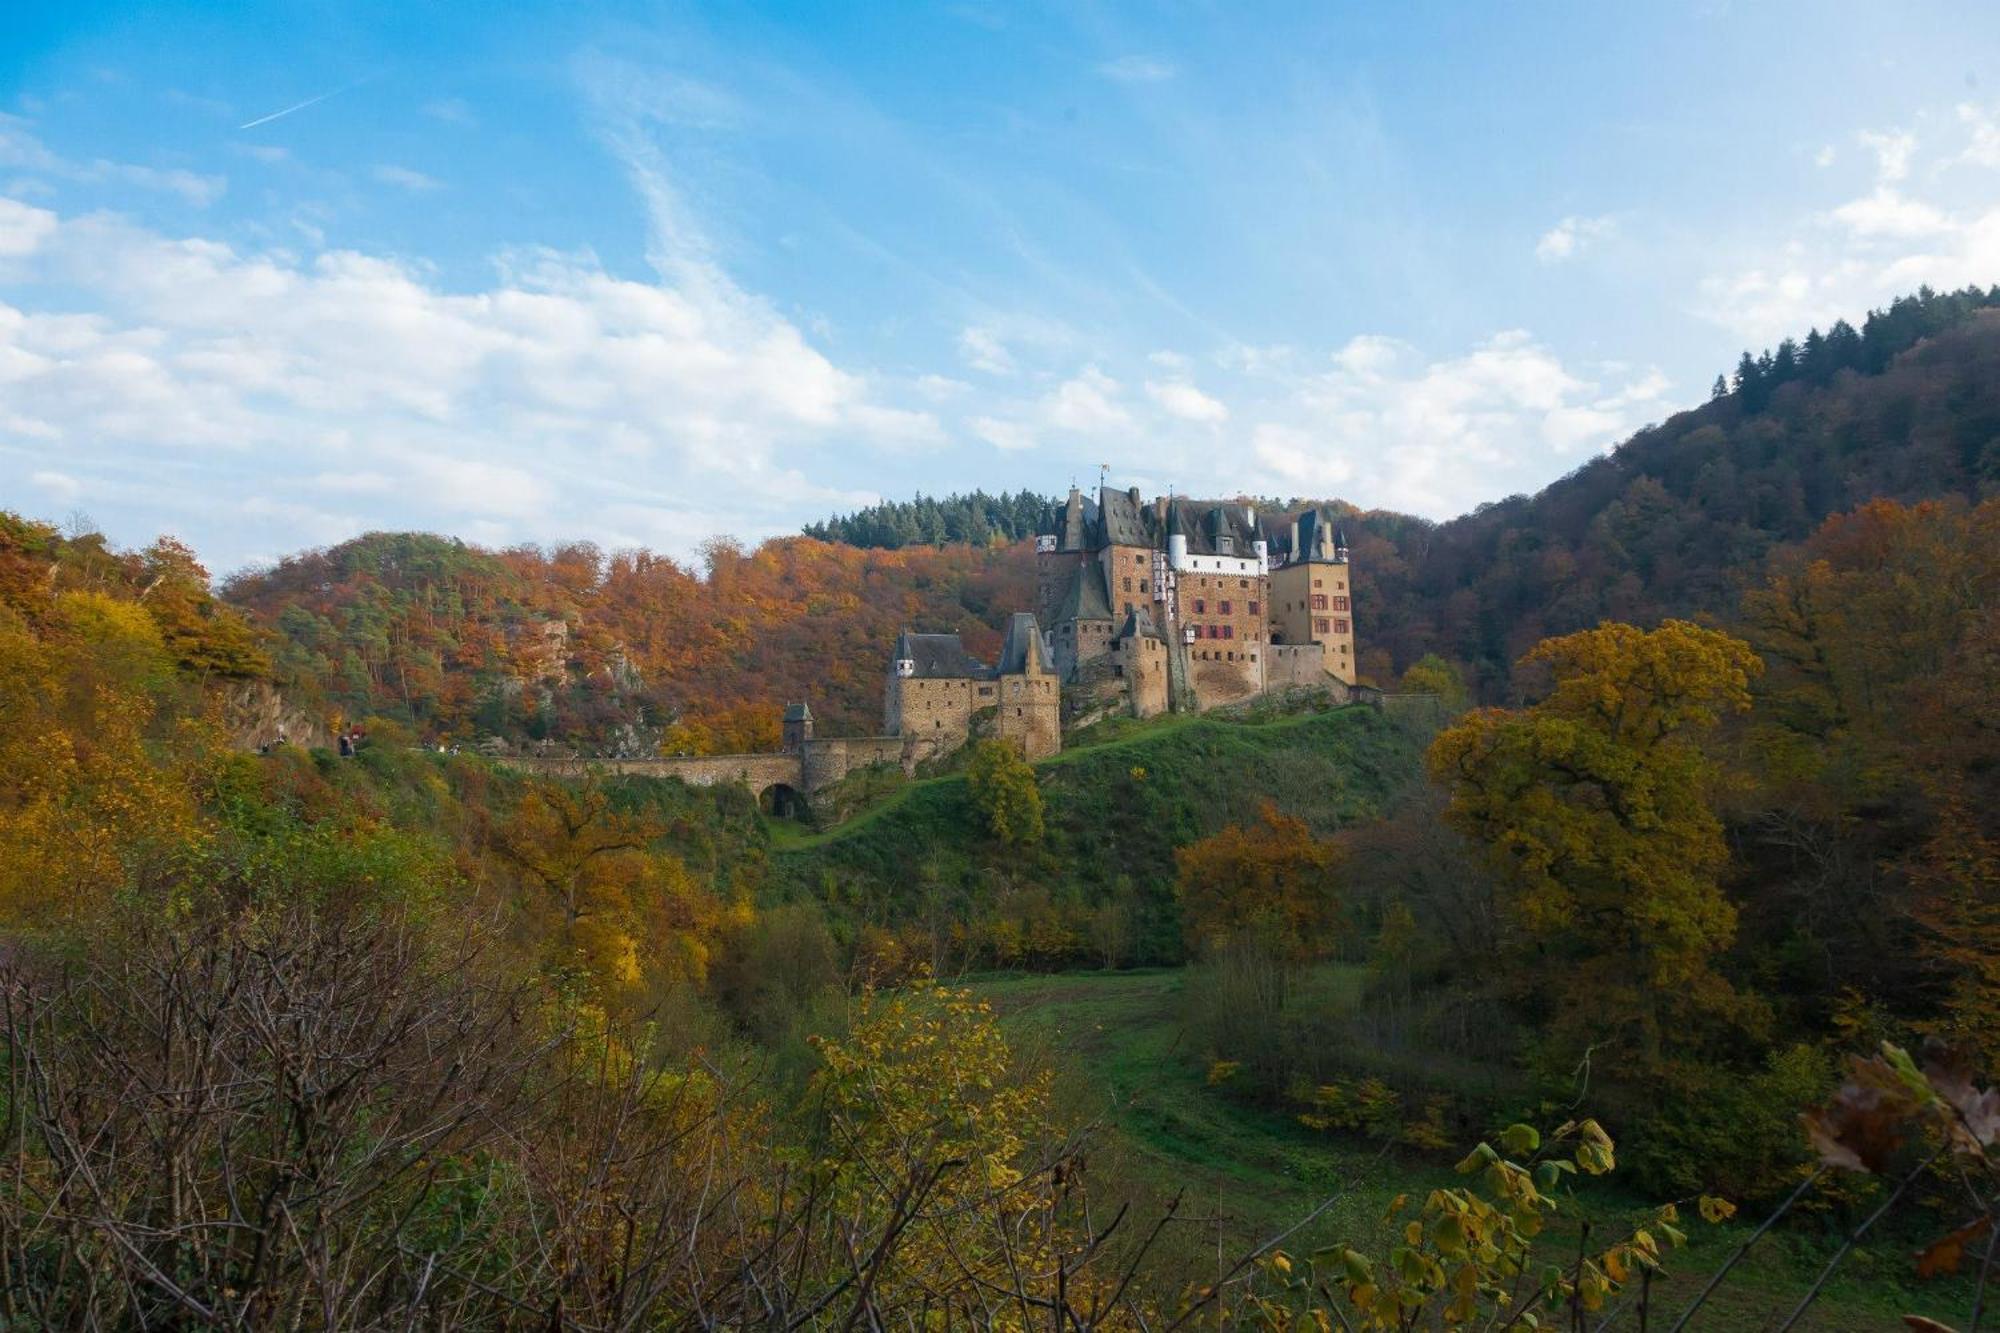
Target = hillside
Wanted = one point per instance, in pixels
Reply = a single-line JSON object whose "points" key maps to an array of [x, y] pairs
{"points": [[610, 652], [1670, 522], [1099, 889], [625, 652]]}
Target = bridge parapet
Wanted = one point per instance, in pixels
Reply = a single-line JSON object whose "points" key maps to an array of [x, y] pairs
{"points": [[820, 763]]}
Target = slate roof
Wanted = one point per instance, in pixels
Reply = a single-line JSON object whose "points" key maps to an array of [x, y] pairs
{"points": [[1024, 646], [1205, 526], [1086, 597], [1138, 624], [940, 657], [1124, 519], [1315, 538]]}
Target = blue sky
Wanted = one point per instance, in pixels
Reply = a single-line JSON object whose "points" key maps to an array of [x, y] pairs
{"points": [[272, 275]]}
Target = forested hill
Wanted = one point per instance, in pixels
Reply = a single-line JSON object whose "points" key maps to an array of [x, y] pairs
{"points": [[977, 519], [1905, 407], [629, 651], [621, 653], [1676, 518]]}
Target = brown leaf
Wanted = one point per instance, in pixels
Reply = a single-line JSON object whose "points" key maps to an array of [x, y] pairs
{"points": [[1924, 1325], [1859, 1130], [1945, 1253], [1979, 1108]]}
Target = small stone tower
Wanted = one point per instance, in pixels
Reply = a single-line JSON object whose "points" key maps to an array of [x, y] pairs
{"points": [[1030, 713], [1140, 655], [798, 726]]}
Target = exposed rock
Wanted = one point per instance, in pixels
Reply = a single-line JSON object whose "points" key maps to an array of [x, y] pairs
{"points": [[257, 715]]}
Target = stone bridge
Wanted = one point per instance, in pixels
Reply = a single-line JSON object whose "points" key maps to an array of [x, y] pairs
{"points": [[820, 763]]}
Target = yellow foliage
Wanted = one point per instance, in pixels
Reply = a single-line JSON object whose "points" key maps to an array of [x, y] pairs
{"points": [[1595, 807]]}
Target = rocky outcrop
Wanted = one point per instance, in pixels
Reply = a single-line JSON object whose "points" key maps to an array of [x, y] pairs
{"points": [[258, 715]]}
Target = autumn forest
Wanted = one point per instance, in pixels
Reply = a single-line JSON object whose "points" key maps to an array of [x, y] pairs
{"points": [[1633, 958]]}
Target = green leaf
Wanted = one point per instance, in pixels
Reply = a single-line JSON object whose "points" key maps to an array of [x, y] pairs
{"points": [[1520, 1140]]}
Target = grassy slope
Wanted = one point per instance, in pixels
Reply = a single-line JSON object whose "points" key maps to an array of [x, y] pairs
{"points": [[1115, 1035], [1115, 810]]}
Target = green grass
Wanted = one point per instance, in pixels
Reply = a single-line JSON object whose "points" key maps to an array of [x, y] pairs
{"points": [[1128, 736], [1115, 812], [1116, 1039]]}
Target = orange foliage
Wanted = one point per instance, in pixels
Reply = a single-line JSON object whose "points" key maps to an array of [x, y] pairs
{"points": [[1274, 875], [384, 624]]}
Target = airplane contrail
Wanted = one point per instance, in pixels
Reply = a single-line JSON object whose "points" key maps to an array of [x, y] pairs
{"points": [[310, 101]]}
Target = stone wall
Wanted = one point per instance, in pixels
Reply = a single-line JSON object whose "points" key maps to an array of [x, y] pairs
{"points": [[1300, 665], [939, 709], [1142, 666], [1312, 603], [823, 762], [1030, 714], [1128, 579]]}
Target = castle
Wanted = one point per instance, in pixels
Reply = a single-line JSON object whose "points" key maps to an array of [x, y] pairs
{"points": [[1142, 608]]}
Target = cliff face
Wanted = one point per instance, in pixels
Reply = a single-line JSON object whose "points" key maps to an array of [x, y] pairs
{"points": [[257, 715]]}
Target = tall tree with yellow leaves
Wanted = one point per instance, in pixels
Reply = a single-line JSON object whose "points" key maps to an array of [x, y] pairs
{"points": [[1596, 810]]}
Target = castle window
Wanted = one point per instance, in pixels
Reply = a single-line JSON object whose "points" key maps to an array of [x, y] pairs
{"points": [[1128, 585], [1243, 583], [1319, 601], [1253, 608], [1340, 627], [1142, 585], [1315, 583], [1253, 657], [1230, 656], [1017, 712], [1225, 608], [1320, 626], [1229, 631], [1200, 606], [1139, 559], [1340, 603]]}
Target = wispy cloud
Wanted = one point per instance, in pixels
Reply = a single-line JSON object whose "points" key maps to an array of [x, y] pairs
{"points": [[1906, 231], [19, 148], [1571, 237], [451, 111], [1138, 69], [404, 178]]}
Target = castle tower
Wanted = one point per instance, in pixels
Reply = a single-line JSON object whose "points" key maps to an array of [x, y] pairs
{"points": [[798, 725], [1139, 653], [1311, 596], [1030, 711]]}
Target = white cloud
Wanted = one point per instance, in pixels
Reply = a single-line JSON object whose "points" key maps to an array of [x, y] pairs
{"points": [[1186, 402], [1884, 212], [1859, 254], [206, 375], [1003, 434], [1086, 404], [1571, 237], [982, 349], [22, 228], [1381, 422], [21, 149], [1893, 152], [1982, 147], [404, 178], [1138, 69], [1825, 157], [59, 485]]}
